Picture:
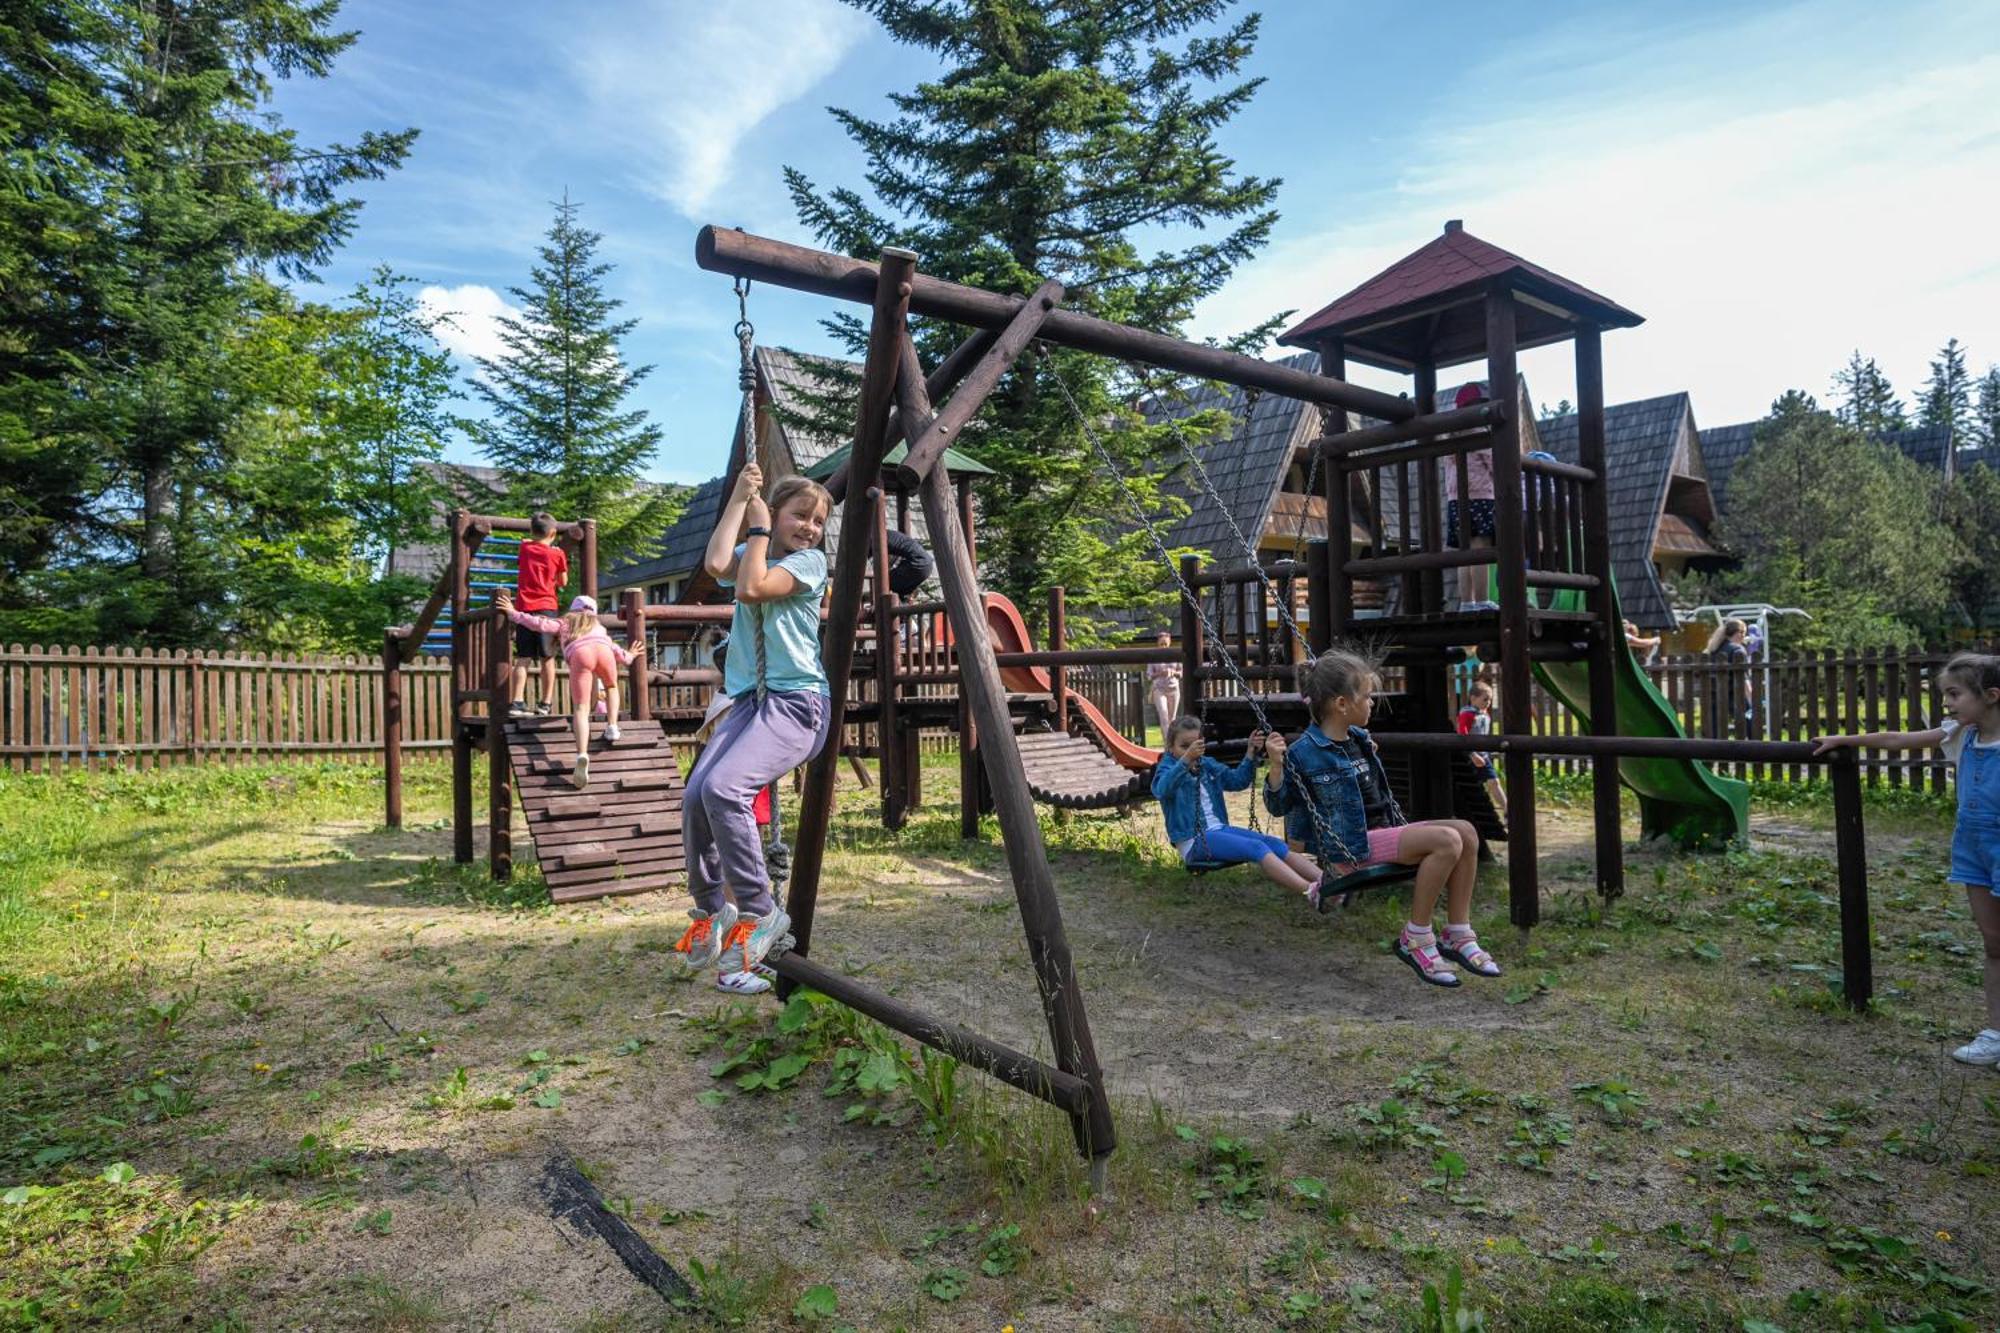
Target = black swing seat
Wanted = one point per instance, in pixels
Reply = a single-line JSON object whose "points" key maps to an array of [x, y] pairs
{"points": [[1354, 881]]}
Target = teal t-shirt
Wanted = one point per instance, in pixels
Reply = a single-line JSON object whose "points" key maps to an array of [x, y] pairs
{"points": [[791, 632]]}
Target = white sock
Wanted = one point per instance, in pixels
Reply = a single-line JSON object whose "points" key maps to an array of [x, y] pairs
{"points": [[1417, 934], [1458, 930]]}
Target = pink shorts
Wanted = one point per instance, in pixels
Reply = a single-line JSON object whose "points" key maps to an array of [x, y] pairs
{"points": [[1383, 845], [599, 658]]}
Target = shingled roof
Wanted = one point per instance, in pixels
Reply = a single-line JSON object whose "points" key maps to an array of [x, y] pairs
{"points": [[466, 484], [1431, 301], [1641, 441], [791, 382]]}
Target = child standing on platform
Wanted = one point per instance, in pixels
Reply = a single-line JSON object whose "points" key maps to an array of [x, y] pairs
{"points": [[593, 662], [1334, 777], [542, 570], [778, 719], [1970, 738], [1189, 786], [1474, 508]]}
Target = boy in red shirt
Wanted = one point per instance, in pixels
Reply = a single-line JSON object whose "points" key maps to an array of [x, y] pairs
{"points": [[542, 572]]}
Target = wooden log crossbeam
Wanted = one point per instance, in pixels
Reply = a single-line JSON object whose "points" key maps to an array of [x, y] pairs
{"points": [[725, 250], [1406, 425], [927, 448]]}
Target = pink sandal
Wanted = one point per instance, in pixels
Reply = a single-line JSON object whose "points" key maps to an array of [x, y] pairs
{"points": [[1468, 955], [1425, 961]]}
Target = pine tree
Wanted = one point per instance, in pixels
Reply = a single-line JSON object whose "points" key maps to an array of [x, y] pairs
{"points": [[1052, 141], [557, 428], [1986, 417], [1867, 400], [157, 190], [1947, 397]]}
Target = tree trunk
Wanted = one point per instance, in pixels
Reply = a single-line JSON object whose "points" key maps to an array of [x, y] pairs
{"points": [[156, 514]]}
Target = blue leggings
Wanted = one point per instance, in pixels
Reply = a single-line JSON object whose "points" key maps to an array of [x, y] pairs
{"points": [[1235, 846]]}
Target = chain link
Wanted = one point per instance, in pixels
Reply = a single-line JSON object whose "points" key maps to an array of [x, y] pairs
{"points": [[746, 379], [1251, 397], [1328, 837]]}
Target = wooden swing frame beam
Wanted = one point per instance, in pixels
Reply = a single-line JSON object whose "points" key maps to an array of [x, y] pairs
{"points": [[893, 376]]}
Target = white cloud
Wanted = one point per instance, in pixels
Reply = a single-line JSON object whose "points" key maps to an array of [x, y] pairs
{"points": [[468, 319], [678, 84], [1763, 242]]}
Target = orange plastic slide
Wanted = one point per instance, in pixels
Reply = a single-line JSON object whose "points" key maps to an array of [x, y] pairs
{"points": [[1010, 635]]}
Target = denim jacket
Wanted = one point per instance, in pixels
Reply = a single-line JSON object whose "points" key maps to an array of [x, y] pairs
{"points": [[1320, 798], [1178, 790]]}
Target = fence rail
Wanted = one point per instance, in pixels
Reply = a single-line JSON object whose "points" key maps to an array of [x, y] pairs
{"points": [[87, 707], [71, 707]]}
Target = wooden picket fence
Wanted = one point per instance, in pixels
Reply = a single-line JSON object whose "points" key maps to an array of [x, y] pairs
{"points": [[66, 707], [69, 707], [1798, 698]]}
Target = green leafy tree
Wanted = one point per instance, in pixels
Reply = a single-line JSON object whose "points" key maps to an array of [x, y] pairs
{"points": [[1822, 518], [156, 190], [391, 389], [557, 426], [1061, 141], [1868, 402], [1973, 512], [1947, 399]]}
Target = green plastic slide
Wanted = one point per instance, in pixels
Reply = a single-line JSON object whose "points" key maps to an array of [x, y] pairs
{"points": [[1679, 798]]}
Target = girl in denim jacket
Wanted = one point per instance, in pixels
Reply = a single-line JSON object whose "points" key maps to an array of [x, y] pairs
{"points": [[1189, 786], [1333, 778]]}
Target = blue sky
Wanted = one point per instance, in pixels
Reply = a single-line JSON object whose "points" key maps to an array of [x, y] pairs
{"points": [[1771, 186]]}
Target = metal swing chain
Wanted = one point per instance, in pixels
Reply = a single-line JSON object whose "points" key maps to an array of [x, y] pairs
{"points": [[746, 380], [1251, 397], [1328, 837]]}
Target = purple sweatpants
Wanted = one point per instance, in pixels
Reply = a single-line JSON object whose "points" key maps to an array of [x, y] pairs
{"points": [[754, 745]]}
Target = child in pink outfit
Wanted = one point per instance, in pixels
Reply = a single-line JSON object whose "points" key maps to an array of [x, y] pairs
{"points": [[593, 661]]}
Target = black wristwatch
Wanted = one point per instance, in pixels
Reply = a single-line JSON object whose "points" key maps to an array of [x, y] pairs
{"points": [[756, 532]]}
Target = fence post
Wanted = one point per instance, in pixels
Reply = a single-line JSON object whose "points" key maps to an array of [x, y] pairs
{"points": [[392, 729], [197, 708], [1857, 966]]}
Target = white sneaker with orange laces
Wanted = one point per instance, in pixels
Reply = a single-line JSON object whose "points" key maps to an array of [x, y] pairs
{"points": [[701, 944]]}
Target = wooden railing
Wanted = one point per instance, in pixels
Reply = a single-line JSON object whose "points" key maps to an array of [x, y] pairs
{"points": [[65, 707]]}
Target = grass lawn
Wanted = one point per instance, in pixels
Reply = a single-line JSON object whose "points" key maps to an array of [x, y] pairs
{"points": [[265, 1064]]}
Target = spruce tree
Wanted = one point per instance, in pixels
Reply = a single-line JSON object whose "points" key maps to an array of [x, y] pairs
{"points": [[557, 427], [1054, 143], [1947, 397], [1986, 416], [1867, 400], [150, 191]]}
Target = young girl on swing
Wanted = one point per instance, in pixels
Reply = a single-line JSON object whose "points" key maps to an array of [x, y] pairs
{"points": [[1334, 777], [777, 720], [1189, 786], [1970, 738], [593, 661]]}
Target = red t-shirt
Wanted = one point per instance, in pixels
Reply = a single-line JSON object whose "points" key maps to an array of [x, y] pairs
{"points": [[544, 569]]}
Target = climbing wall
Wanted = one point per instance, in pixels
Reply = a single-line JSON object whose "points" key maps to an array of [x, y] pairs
{"points": [[620, 835]]}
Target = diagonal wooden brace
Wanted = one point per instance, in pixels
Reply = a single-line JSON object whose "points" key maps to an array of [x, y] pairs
{"points": [[927, 446]]}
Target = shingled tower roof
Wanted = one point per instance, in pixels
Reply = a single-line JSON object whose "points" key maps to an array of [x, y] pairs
{"points": [[1433, 297]]}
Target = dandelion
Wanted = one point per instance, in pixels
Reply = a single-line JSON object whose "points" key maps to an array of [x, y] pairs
{"points": [[1944, 1236], [1490, 1242]]}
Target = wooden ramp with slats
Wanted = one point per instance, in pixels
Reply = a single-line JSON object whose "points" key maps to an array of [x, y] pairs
{"points": [[1072, 773], [623, 833]]}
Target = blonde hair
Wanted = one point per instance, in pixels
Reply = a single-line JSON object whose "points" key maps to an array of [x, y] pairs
{"points": [[576, 624], [791, 488], [1341, 672], [1724, 632]]}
